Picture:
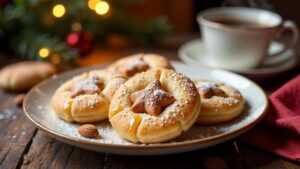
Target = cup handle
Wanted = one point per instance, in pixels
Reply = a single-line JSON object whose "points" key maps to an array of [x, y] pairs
{"points": [[277, 58]]}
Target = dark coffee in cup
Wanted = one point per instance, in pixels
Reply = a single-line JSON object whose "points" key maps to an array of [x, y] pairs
{"points": [[240, 23]]}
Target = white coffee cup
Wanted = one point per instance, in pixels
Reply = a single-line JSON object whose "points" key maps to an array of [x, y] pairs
{"points": [[238, 38]]}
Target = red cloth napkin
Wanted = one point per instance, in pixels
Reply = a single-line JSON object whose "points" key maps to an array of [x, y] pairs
{"points": [[279, 131]]}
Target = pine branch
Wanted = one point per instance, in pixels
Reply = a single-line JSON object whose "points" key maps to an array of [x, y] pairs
{"points": [[28, 43], [29, 25]]}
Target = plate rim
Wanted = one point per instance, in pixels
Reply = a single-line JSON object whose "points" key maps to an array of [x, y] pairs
{"points": [[167, 145], [184, 57]]}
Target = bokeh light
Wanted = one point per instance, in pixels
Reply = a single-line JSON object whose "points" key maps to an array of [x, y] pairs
{"points": [[76, 26], [44, 52], [59, 10], [92, 4], [55, 58], [102, 8]]}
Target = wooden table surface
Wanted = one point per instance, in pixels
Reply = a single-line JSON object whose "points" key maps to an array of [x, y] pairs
{"points": [[22, 145]]}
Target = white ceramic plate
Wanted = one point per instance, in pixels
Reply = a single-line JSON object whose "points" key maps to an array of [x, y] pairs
{"points": [[37, 108], [194, 53]]}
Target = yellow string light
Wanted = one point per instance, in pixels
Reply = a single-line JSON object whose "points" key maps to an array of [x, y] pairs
{"points": [[102, 8], [59, 10], [92, 4], [44, 52]]}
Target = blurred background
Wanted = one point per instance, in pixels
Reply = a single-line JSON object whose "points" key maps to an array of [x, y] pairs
{"points": [[62, 32]]}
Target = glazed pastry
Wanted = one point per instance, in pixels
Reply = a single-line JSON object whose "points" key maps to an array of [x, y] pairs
{"points": [[86, 97], [219, 103], [24, 75], [137, 63], [154, 106]]}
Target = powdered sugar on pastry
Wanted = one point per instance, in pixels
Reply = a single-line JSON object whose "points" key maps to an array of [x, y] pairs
{"points": [[85, 98], [219, 103], [171, 94]]}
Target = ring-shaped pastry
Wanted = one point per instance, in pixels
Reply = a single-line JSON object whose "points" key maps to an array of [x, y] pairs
{"points": [[154, 87], [86, 97], [219, 103], [131, 65]]}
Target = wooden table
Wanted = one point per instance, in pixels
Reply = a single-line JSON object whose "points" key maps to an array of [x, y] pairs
{"points": [[22, 145]]}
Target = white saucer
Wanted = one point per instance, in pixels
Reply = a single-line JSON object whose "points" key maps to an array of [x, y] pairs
{"points": [[194, 53]]}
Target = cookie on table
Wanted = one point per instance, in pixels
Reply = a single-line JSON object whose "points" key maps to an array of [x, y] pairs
{"points": [[24, 75]]}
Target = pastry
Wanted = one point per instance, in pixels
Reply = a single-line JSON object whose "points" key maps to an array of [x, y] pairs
{"points": [[154, 106], [219, 103], [137, 63], [86, 97], [24, 75]]}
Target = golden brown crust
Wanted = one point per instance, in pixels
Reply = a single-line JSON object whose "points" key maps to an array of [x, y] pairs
{"points": [[144, 128], [24, 75], [216, 108], [151, 61], [86, 107]]}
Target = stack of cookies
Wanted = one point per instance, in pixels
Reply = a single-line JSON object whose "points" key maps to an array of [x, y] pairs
{"points": [[145, 99]]}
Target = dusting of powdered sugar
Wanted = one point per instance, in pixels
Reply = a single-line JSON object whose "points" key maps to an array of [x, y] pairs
{"points": [[135, 63], [206, 85], [229, 101], [159, 92], [40, 111], [109, 136], [90, 84]]}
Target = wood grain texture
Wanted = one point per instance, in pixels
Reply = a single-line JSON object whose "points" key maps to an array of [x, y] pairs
{"points": [[47, 152], [196, 159], [255, 159], [16, 132]]}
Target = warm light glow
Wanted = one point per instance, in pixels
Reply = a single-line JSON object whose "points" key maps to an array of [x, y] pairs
{"points": [[92, 4], [76, 26], [102, 8], [44, 52], [56, 59], [59, 10]]}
